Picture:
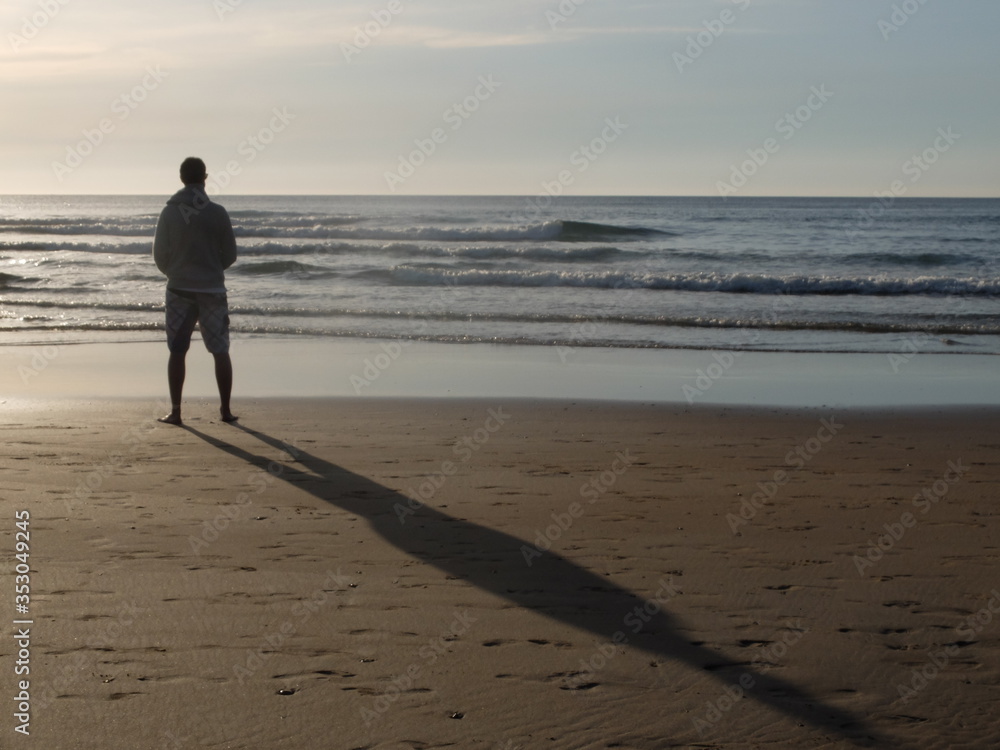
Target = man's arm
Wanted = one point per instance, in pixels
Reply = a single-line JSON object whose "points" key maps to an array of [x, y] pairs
{"points": [[161, 243], [227, 252]]}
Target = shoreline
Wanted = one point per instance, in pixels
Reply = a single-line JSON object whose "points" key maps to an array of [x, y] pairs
{"points": [[362, 368]]}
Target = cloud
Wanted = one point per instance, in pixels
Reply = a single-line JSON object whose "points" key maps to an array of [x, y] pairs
{"points": [[78, 46], [457, 38]]}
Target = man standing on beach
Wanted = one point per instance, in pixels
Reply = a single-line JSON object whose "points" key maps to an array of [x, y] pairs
{"points": [[194, 245]]}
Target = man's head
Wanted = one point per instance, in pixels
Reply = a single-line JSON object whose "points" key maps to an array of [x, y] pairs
{"points": [[193, 171]]}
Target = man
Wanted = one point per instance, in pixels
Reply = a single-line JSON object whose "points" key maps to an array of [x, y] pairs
{"points": [[194, 245]]}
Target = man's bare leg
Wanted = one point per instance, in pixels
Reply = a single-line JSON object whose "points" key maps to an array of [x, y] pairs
{"points": [[224, 379], [175, 379]]}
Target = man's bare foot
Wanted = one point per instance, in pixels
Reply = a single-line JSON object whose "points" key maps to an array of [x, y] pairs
{"points": [[172, 418], [228, 416]]}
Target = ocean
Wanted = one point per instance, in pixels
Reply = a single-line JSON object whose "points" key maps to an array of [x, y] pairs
{"points": [[781, 274]]}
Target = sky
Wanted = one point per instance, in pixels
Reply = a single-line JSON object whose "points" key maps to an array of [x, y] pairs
{"points": [[511, 97]]}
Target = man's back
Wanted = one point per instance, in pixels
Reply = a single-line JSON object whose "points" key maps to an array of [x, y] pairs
{"points": [[194, 242]]}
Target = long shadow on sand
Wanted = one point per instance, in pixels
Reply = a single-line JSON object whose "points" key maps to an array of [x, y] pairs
{"points": [[553, 586]]}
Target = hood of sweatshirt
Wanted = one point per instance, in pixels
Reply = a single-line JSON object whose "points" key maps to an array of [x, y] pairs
{"points": [[190, 195]]}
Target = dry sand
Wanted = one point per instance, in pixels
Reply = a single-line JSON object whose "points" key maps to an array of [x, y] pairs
{"points": [[354, 574]]}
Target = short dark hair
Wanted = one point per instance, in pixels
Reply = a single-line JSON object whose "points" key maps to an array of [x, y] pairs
{"points": [[193, 171]]}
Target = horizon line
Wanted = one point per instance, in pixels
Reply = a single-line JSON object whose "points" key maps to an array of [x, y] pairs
{"points": [[509, 195]]}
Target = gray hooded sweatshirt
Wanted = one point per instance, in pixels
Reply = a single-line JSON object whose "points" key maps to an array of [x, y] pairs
{"points": [[194, 242]]}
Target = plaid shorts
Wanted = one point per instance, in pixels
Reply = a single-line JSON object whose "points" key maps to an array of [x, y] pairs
{"points": [[208, 309]]}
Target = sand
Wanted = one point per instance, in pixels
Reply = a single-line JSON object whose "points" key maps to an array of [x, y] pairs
{"points": [[502, 574], [268, 367]]}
